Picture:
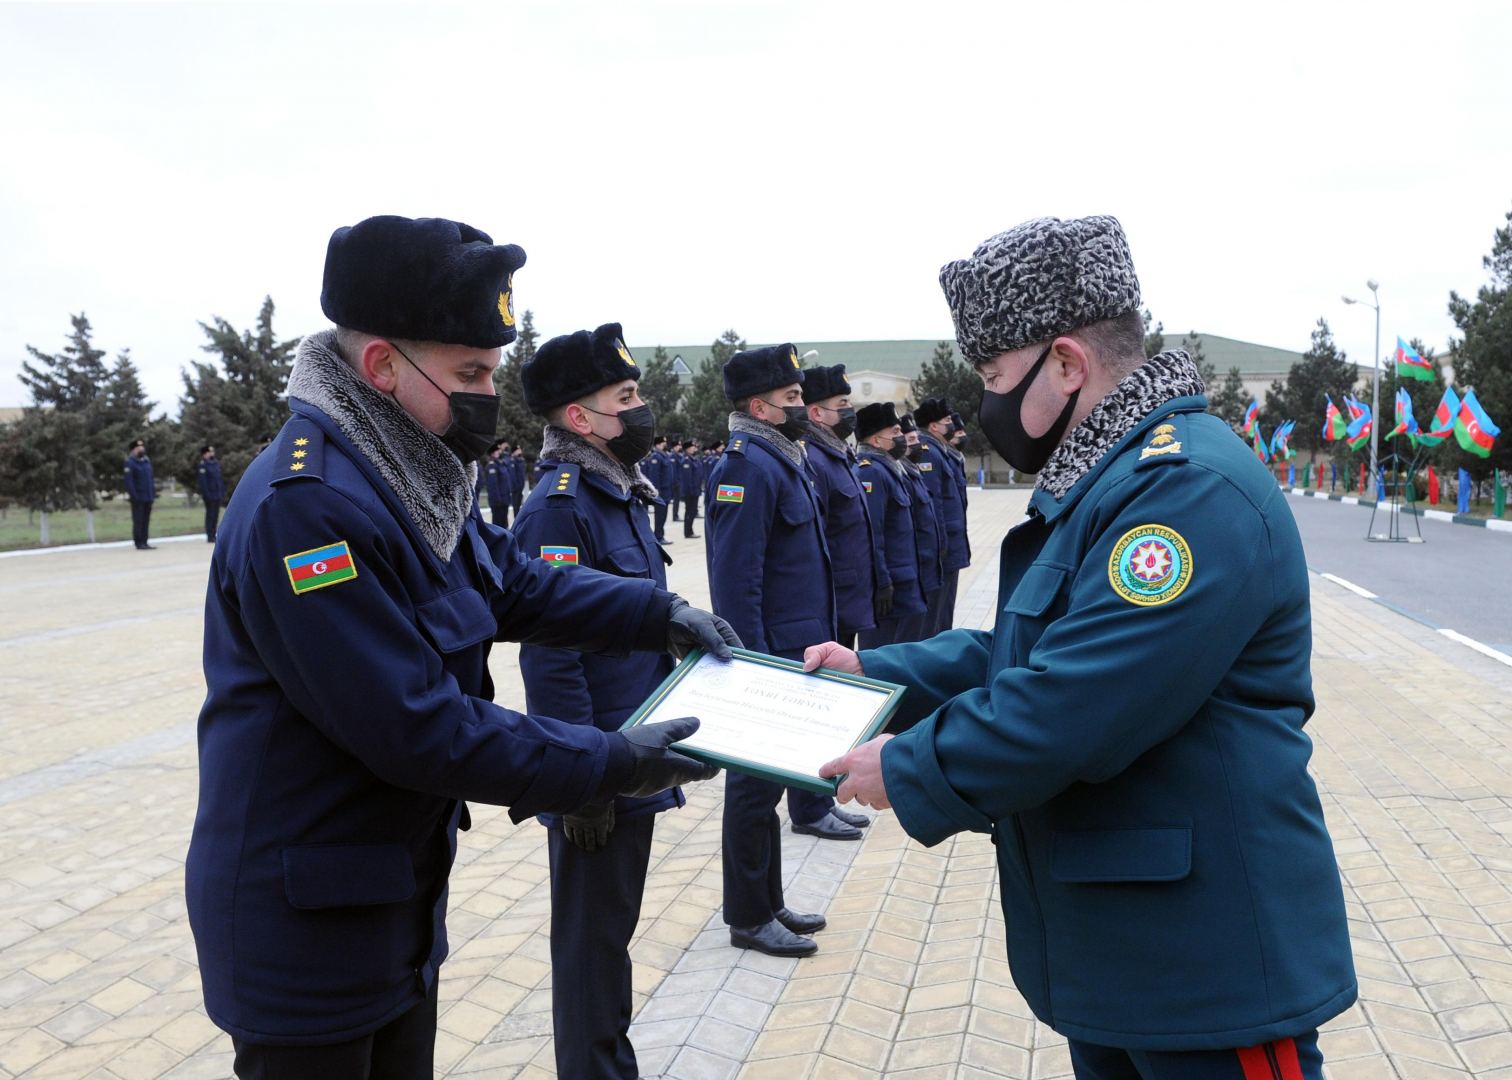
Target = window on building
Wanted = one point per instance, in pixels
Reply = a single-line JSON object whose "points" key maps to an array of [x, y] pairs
{"points": [[866, 389]]}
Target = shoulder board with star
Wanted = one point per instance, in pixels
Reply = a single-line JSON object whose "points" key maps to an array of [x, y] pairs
{"points": [[562, 480], [298, 452], [1164, 443]]}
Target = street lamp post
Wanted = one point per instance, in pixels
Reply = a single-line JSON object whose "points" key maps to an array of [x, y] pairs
{"points": [[1375, 369]]}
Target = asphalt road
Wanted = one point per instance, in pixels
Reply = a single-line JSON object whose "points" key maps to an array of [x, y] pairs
{"points": [[1460, 577]]}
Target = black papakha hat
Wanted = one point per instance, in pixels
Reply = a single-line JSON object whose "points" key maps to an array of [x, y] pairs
{"points": [[575, 365], [421, 279], [871, 419], [932, 409], [756, 371], [906, 421], [823, 383]]}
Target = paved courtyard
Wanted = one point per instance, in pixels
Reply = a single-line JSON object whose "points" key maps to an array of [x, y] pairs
{"points": [[100, 683]]}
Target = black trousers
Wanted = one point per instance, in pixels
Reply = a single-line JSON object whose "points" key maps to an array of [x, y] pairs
{"points": [[886, 632], [595, 903], [516, 499], [402, 1049], [660, 518], [212, 518], [499, 515], [941, 614], [806, 807], [752, 850], [690, 513], [140, 513]]}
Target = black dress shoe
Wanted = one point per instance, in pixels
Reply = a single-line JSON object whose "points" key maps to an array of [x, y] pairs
{"points": [[799, 923], [690, 536], [772, 938], [829, 827], [860, 821]]}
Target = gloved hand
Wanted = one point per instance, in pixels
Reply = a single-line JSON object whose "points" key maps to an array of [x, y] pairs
{"points": [[882, 602], [590, 826], [656, 767], [689, 627]]}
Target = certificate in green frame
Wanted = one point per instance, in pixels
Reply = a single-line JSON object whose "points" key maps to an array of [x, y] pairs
{"points": [[763, 716]]}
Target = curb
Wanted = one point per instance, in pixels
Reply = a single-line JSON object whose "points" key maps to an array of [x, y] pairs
{"points": [[1491, 524], [57, 549]]}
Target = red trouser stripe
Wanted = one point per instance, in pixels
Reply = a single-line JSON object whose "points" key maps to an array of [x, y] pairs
{"points": [[1271, 1061]]}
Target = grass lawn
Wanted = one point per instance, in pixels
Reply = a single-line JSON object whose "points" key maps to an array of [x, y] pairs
{"points": [[170, 517]]}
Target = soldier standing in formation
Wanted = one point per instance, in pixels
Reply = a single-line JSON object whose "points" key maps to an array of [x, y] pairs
{"points": [[212, 490], [937, 465], [929, 533], [141, 491], [889, 497], [591, 510], [658, 468], [496, 483], [690, 484]]}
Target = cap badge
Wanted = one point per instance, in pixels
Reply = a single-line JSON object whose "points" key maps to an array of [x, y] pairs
{"points": [[624, 353], [506, 302]]}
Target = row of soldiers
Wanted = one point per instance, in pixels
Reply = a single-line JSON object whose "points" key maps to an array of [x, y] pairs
{"points": [[680, 470]]}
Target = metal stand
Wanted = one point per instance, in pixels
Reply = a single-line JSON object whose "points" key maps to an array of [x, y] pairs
{"points": [[1394, 533]]}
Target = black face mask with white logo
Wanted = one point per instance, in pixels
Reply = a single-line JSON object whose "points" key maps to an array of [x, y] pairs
{"points": [[474, 419], [1001, 417]]}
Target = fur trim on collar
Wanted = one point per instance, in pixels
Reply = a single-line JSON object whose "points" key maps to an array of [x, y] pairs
{"points": [[741, 423], [1162, 378], [559, 444], [434, 487], [830, 441]]}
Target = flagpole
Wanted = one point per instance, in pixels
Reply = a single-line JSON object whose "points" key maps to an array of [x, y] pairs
{"points": [[1375, 369]]}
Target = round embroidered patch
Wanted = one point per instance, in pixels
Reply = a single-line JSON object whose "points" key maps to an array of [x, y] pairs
{"points": [[1150, 565]]}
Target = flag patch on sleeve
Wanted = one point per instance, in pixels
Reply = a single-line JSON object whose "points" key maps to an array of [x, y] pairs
{"points": [[867, 484], [729, 493], [560, 556], [319, 567]]}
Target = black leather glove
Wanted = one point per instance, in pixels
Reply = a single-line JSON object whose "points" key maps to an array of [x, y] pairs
{"points": [[590, 826], [882, 602], [656, 767], [689, 627]]}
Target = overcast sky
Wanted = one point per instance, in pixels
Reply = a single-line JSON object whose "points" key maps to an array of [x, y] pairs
{"points": [[798, 171]]}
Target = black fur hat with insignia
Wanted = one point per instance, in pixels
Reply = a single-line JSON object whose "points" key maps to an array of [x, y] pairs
{"points": [[575, 365], [756, 371], [871, 419], [907, 422], [823, 383], [932, 409], [421, 279]]}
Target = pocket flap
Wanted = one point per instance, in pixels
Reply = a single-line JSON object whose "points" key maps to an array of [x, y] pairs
{"points": [[457, 619], [1036, 589], [628, 561], [798, 634], [1163, 853], [347, 875], [797, 508]]}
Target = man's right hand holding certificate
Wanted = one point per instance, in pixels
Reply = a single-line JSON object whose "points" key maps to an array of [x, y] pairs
{"points": [[862, 767]]}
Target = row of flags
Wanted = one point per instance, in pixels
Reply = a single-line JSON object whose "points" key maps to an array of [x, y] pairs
{"points": [[1352, 425], [1464, 418]]}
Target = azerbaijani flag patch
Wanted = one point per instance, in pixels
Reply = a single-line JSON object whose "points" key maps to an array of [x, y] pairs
{"points": [[729, 493], [560, 555], [867, 484], [319, 567]]}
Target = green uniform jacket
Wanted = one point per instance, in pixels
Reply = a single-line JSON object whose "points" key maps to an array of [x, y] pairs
{"points": [[1130, 733]]}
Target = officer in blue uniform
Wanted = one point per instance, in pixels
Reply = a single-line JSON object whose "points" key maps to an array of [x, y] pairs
{"points": [[212, 489], [496, 474], [674, 477], [769, 575], [141, 491], [592, 512], [690, 484], [929, 531], [1131, 730], [517, 471], [938, 467], [880, 450], [354, 594], [658, 468]]}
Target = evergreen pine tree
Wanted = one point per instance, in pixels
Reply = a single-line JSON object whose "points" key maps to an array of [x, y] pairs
{"points": [[118, 415], [1154, 340], [1191, 344], [518, 425], [1323, 370], [1483, 352], [70, 380], [946, 375], [660, 389], [1230, 400], [704, 405]]}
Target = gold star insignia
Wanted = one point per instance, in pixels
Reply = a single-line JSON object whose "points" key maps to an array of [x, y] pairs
{"points": [[301, 441], [1165, 429], [297, 466], [300, 453]]}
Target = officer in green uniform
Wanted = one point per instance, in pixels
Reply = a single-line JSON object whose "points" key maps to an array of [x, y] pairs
{"points": [[1131, 730]]}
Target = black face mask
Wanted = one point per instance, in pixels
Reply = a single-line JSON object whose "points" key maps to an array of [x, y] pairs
{"points": [[637, 428], [899, 447], [846, 425], [474, 419], [795, 418], [916, 453], [1001, 417]]}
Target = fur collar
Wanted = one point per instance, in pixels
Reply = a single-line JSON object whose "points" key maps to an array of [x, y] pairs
{"points": [[743, 424], [1162, 378], [559, 444], [830, 441], [433, 486]]}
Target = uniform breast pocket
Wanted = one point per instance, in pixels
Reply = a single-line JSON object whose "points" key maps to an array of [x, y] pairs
{"points": [[456, 620], [1036, 593], [796, 508], [628, 562]]}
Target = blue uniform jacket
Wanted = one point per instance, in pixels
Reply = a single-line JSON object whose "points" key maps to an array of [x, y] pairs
{"points": [[585, 518], [939, 472], [211, 487], [891, 504], [655, 468], [498, 481], [139, 485], [690, 479], [769, 567], [1130, 732], [344, 726], [848, 532], [929, 534], [516, 475]]}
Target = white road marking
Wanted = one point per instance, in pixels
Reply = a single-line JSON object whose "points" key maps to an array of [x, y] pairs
{"points": [[1351, 586], [1484, 650]]}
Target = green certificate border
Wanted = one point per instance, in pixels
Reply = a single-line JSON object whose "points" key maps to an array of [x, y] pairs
{"points": [[890, 695]]}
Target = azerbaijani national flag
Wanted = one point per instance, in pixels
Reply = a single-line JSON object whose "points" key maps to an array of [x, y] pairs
{"points": [[1261, 451], [319, 567], [1334, 424], [1406, 424], [1359, 428], [1442, 424], [1473, 428], [730, 493], [1278, 447], [1249, 418], [1409, 365], [559, 555]]}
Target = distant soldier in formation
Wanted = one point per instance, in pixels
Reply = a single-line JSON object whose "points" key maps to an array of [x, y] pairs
{"points": [[496, 483], [929, 531], [690, 485], [212, 490], [141, 491], [517, 471], [658, 467], [938, 465], [889, 498]]}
